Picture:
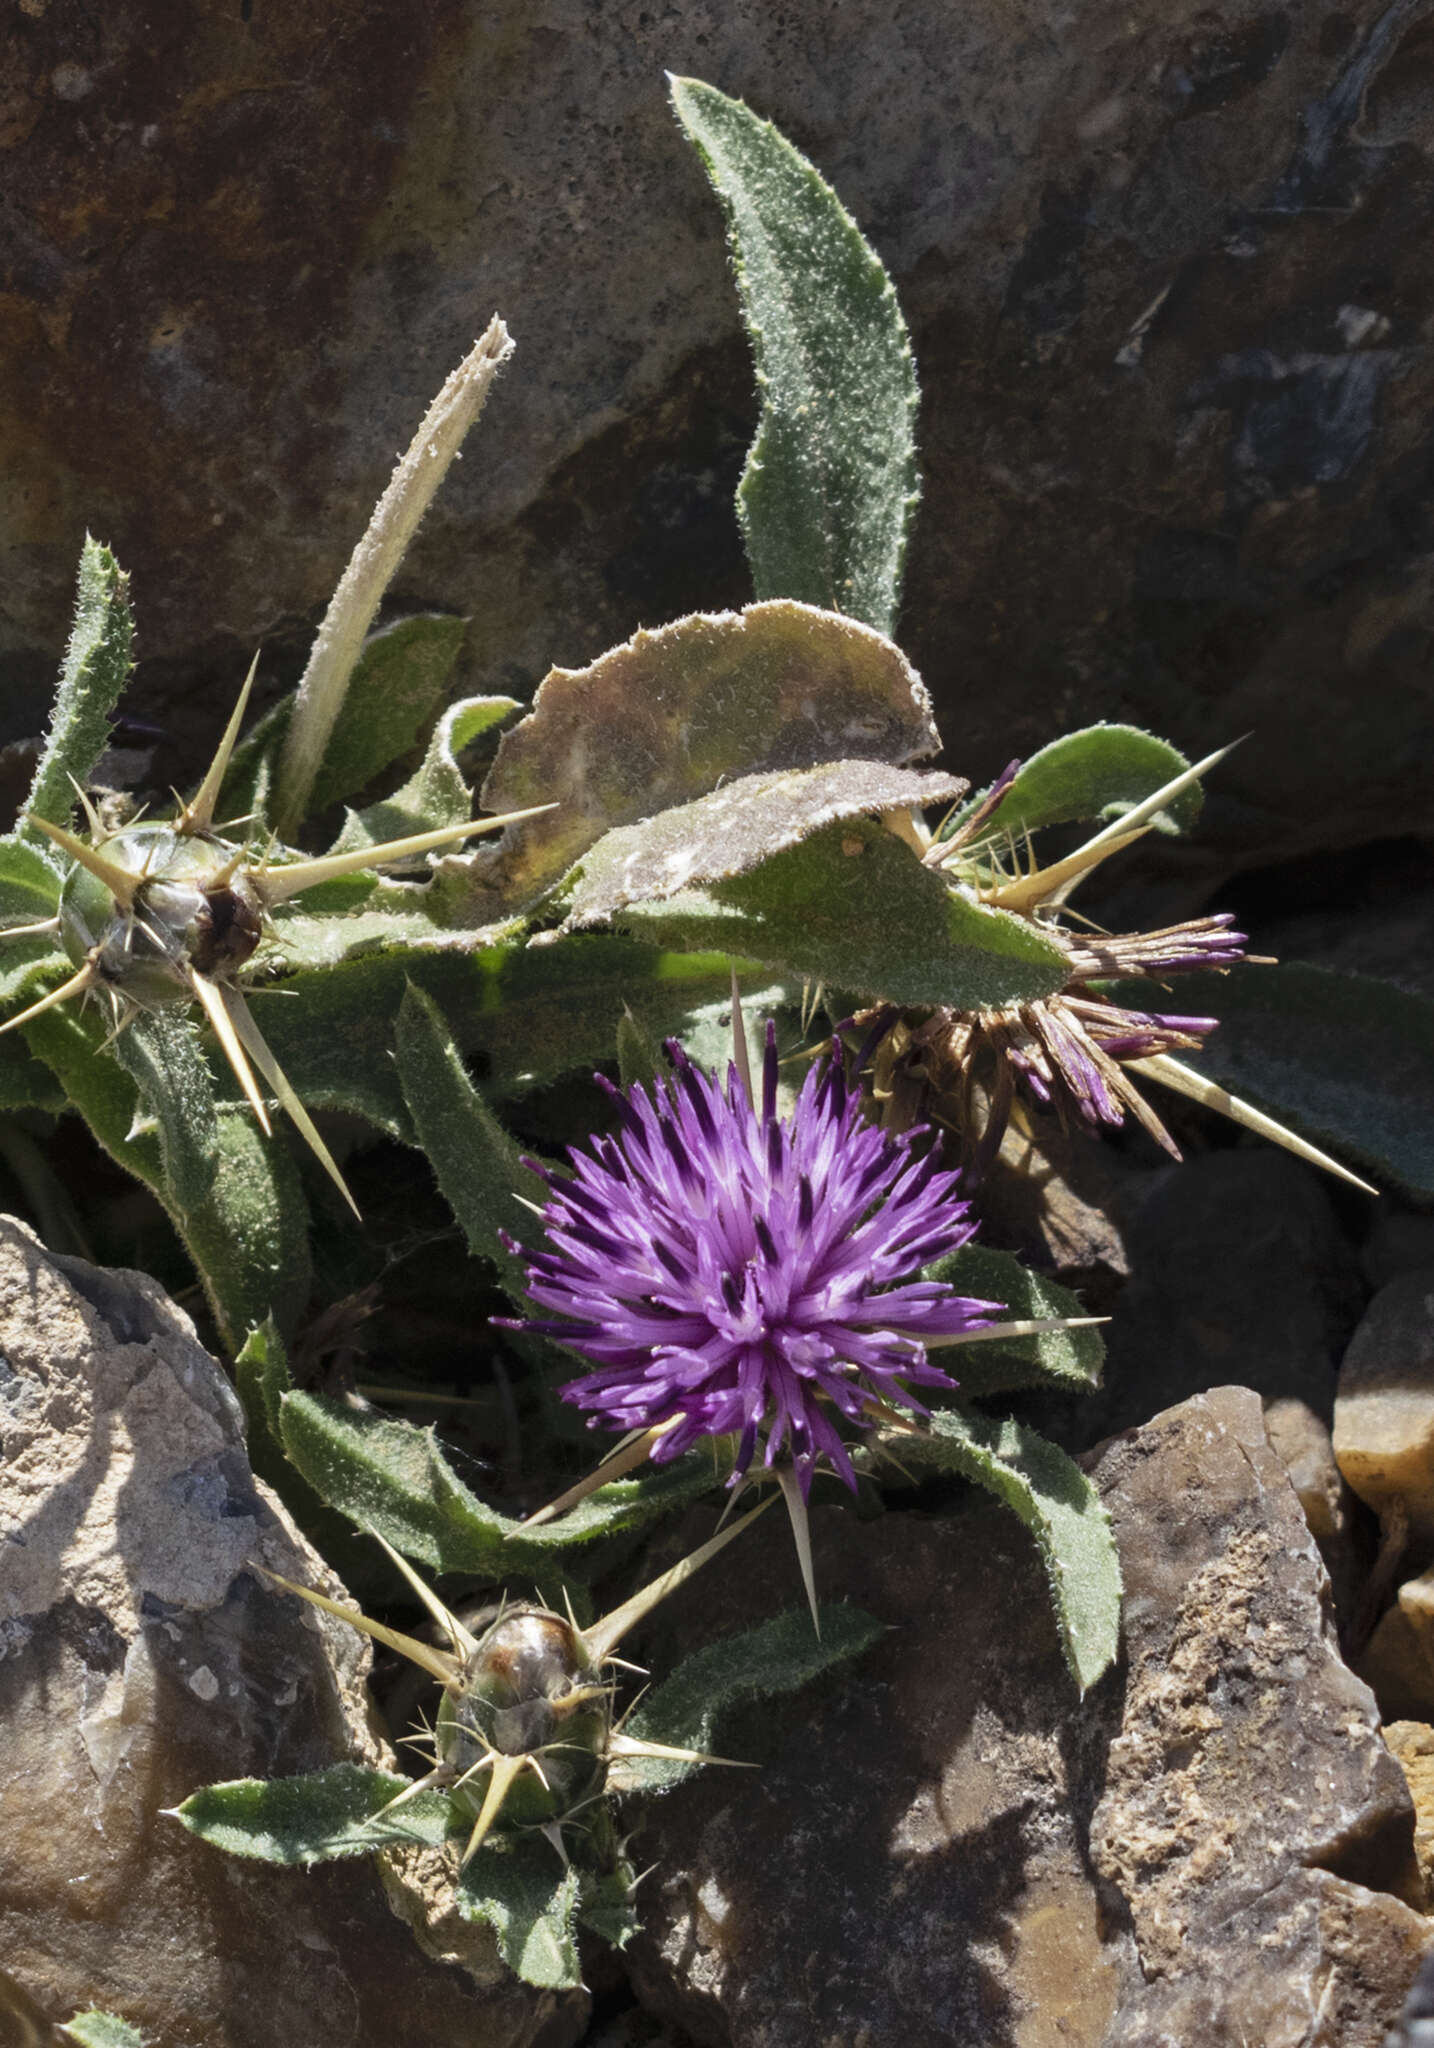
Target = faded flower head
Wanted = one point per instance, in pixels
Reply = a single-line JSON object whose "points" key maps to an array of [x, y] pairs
{"points": [[727, 1272], [1071, 1049]]}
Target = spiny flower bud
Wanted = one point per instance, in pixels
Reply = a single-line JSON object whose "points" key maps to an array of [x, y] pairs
{"points": [[528, 1689], [524, 1732], [157, 915], [193, 908]]}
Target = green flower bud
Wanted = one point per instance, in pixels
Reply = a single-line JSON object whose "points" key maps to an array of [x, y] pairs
{"points": [[527, 1690]]}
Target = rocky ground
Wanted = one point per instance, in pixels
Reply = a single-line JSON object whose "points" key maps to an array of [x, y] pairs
{"points": [[1219, 1845]]}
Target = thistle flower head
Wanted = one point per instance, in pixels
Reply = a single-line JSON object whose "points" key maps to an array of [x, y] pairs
{"points": [[731, 1273]]}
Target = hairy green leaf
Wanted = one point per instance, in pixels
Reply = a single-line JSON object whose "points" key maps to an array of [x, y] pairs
{"points": [[475, 1162], [854, 908], [1067, 1358], [1098, 773], [778, 1656], [608, 1905], [160, 1052], [523, 1892], [392, 1478], [671, 715], [315, 1818], [248, 1237], [97, 662], [29, 884], [1057, 1503], [1346, 1060], [830, 486], [526, 1014], [737, 828], [95, 2029]]}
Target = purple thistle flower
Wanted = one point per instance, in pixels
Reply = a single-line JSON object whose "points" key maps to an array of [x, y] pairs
{"points": [[731, 1273]]}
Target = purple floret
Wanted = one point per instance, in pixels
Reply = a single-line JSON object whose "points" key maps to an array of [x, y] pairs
{"points": [[729, 1273]]}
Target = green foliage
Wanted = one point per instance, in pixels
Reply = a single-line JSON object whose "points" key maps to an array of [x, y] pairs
{"points": [[392, 1478], [249, 1235], [737, 828], [400, 680], [676, 714], [475, 1161], [436, 793], [160, 1053], [315, 1818], [1057, 1503], [1097, 773], [854, 908], [1067, 1358], [1346, 1060], [830, 484], [778, 1656], [95, 2029], [521, 1890], [97, 661], [526, 1014]]}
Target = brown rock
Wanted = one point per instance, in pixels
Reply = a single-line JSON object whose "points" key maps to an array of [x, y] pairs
{"points": [[1384, 1416], [1162, 265], [1413, 1743], [945, 1846], [142, 1657]]}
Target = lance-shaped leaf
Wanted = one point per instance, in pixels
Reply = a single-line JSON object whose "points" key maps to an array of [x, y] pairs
{"points": [[337, 644], [160, 1053], [97, 662], [830, 485], [1072, 1359], [1057, 1503], [476, 1163], [530, 1900], [738, 827], [249, 1236], [393, 1479], [854, 908], [672, 714], [315, 1818], [778, 1656], [1344, 1059], [1099, 772]]}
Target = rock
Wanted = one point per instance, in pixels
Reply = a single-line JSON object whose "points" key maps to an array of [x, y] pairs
{"points": [[1158, 260], [1304, 1446], [946, 1845], [1240, 1274], [1384, 1415], [1416, 2022], [142, 1656], [1413, 1743]]}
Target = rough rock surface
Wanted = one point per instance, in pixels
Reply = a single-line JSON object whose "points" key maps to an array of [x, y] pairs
{"points": [[1163, 263], [1413, 1743], [141, 1657], [946, 1846], [1384, 1414]]}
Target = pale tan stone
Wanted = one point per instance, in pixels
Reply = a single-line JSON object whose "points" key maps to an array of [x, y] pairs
{"points": [[141, 1656], [1384, 1409]]}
